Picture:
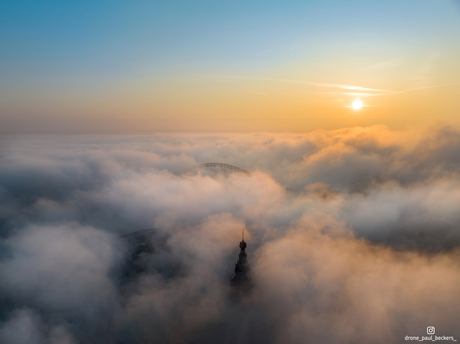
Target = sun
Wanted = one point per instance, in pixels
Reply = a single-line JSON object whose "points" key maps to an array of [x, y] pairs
{"points": [[357, 104]]}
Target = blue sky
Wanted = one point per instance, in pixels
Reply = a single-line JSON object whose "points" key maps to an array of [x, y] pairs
{"points": [[106, 37], [73, 46]]}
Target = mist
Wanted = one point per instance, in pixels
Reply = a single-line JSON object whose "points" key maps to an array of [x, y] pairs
{"points": [[353, 236]]}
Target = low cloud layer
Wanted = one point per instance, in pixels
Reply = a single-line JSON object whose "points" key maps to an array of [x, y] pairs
{"points": [[353, 236]]}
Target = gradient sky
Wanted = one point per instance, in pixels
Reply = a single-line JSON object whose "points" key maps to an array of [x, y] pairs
{"points": [[233, 66]]}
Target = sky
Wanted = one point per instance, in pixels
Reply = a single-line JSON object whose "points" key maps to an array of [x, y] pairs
{"points": [[119, 66]]}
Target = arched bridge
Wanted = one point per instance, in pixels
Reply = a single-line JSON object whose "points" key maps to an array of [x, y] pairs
{"points": [[224, 166]]}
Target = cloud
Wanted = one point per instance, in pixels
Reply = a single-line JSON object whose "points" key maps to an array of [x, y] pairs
{"points": [[382, 65], [421, 82], [321, 284], [26, 327], [353, 236], [23, 327], [307, 83], [258, 93]]}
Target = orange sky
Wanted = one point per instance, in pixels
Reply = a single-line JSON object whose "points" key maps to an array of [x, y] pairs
{"points": [[294, 68]]}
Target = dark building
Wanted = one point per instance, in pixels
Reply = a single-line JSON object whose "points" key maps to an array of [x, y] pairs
{"points": [[241, 280]]}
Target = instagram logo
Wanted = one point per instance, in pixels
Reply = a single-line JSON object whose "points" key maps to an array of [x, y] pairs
{"points": [[430, 330]]}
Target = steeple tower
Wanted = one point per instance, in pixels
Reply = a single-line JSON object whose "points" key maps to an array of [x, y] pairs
{"points": [[242, 269]]}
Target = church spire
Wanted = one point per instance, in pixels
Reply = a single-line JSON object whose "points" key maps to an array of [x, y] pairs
{"points": [[242, 243], [242, 269]]}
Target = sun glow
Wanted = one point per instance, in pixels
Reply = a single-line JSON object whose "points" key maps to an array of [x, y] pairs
{"points": [[357, 104]]}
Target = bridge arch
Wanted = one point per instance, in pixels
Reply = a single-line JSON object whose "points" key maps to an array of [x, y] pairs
{"points": [[220, 165]]}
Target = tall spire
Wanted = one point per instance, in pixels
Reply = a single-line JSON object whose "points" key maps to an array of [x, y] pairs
{"points": [[242, 269]]}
